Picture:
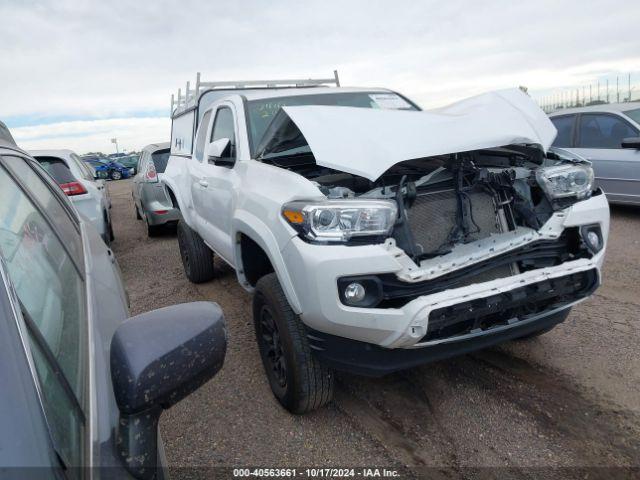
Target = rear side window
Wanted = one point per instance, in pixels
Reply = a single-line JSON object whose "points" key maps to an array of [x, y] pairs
{"points": [[603, 131], [160, 159], [564, 125], [51, 293], [51, 203], [85, 170], [202, 135], [57, 168]]}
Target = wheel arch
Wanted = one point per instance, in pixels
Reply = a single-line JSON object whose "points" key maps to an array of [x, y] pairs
{"points": [[255, 241]]}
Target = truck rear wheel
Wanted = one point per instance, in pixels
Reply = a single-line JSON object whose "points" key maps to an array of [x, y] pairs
{"points": [[298, 380], [197, 258]]}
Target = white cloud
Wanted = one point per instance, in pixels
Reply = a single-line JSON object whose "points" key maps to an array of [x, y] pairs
{"points": [[97, 59], [94, 135]]}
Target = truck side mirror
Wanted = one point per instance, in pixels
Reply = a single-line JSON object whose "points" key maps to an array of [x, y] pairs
{"points": [[157, 359], [631, 142], [220, 153]]}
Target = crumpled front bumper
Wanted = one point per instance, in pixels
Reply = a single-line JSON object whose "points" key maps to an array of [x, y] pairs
{"points": [[315, 270]]}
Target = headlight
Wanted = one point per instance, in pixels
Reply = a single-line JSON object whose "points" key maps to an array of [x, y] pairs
{"points": [[566, 181], [339, 221]]}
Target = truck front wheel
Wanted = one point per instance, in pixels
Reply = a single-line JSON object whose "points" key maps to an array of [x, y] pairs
{"points": [[298, 380], [197, 258]]}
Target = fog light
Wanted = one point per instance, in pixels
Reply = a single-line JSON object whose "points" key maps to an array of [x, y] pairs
{"points": [[592, 237], [594, 240], [354, 293]]}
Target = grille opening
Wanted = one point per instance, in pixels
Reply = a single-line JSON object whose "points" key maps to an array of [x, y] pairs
{"points": [[521, 303], [433, 218]]}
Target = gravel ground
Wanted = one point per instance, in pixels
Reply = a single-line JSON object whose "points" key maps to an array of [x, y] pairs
{"points": [[567, 399]]}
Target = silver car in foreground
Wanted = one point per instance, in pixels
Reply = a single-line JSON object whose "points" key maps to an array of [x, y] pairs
{"points": [[609, 137], [78, 182], [83, 385], [150, 197]]}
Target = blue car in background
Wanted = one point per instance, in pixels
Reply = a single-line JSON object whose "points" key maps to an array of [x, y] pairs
{"points": [[107, 168]]}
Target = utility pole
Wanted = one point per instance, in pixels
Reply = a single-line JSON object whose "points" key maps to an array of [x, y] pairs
{"points": [[629, 88], [617, 90], [607, 90], [115, 140]]}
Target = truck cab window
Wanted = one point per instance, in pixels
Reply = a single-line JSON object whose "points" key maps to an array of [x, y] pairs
{"points": [[202, 135], [224, 128]]}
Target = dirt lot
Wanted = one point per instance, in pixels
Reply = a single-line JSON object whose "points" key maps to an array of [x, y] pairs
{"points": [[570, 398]]}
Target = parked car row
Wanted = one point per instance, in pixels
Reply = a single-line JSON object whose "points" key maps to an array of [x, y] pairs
{"points": [[84, 385], [109, 169]]}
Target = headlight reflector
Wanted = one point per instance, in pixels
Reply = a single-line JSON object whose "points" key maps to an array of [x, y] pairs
{"points": [[339, 221], [571, 180]]}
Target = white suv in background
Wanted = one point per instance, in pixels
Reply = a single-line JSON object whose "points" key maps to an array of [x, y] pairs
{"points": [[88, 194]]}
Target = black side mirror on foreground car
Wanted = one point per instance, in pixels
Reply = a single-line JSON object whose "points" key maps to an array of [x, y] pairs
{"points": [[631, 142], [157, 359]]}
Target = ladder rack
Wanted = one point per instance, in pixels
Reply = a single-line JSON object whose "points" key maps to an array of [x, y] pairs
{"points": [[194, 94]]}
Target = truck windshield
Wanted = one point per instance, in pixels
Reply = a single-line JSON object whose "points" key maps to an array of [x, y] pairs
{"points": [[261, 112]]}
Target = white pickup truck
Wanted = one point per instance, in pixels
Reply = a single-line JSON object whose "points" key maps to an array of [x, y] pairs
{"points": [[376, 236]]}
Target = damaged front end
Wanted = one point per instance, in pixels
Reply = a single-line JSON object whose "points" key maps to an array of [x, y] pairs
{"points": [[482, 237]]}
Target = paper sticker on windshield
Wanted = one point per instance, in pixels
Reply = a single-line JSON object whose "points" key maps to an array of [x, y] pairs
{"points": [[390, 101]]}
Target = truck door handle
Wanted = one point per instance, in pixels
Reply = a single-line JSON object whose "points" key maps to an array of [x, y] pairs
{"points": [[203, 183]]}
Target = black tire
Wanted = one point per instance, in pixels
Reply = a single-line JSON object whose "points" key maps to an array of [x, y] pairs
{"points": [[299, 381], [197, 258], [115, 175], [560, 317]]}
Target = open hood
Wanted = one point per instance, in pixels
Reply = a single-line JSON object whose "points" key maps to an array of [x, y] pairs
{"points": [[367, 142]]}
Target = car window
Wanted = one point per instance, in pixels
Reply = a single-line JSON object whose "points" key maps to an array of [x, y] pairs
{"points": [[57, 168], [633, 114], [52, 203], [224, 128], [160, 159], [202, 135], [52, 295], [141, 160], [603, 131], [87, 174], [564, 125]]}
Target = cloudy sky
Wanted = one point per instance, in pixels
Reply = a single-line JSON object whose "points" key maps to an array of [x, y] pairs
{"points": [[77, 73]]}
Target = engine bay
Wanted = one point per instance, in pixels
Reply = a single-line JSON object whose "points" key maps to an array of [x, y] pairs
{"points": [[445, 200]]}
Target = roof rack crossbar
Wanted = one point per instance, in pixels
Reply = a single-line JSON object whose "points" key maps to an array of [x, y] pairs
{"points": [[200, 86]]}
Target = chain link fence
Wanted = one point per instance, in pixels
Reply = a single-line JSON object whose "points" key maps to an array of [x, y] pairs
{"points": [[616, 89]]}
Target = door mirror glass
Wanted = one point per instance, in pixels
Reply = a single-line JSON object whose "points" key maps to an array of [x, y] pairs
{"points": [[631, 142], [157, 359]]}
